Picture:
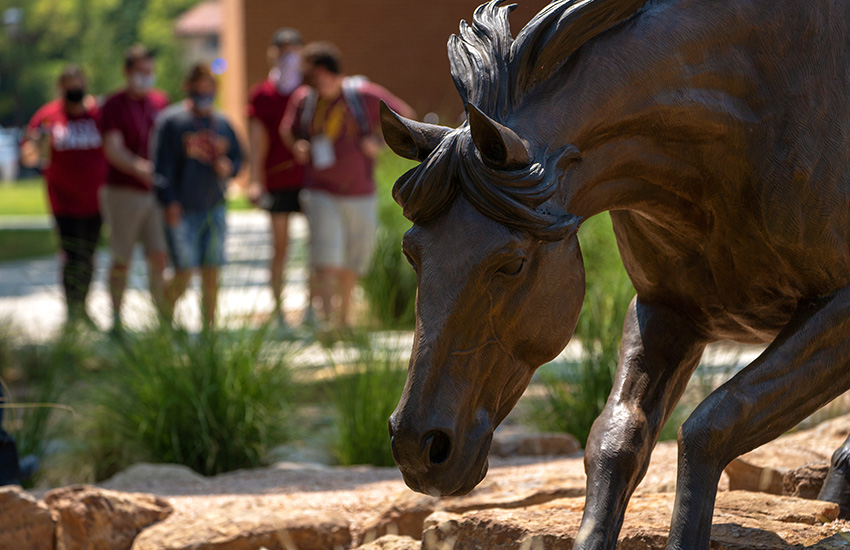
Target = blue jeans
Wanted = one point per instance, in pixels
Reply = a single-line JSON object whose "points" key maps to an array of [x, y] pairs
{"points": [[198, 240]]}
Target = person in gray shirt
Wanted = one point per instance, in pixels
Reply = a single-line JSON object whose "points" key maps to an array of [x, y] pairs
{"points": [[195, 153]]}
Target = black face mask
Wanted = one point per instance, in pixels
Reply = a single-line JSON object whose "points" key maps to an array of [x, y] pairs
{"points": [[74, 95]]}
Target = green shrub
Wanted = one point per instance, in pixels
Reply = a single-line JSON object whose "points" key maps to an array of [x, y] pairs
{"points": [[575, 392], [49, 370], [390, 283], [362, 395], [211, 401]]}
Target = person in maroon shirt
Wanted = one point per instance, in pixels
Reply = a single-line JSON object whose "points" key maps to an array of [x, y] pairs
{"points": [[275, 177], [64, 139], [129, 205], [333, 126]]}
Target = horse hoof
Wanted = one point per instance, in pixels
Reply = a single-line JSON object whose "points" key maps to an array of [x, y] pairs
{"points": [[836, 488]]}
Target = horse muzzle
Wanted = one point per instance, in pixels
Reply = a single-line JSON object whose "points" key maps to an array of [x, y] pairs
{"points": [[436, 461]]}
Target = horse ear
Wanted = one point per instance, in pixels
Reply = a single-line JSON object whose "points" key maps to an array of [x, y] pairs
{"points": [[500, 147], [408, 138]]}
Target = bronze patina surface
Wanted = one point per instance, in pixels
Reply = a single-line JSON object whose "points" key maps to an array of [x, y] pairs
{"points": [[717, 134]]}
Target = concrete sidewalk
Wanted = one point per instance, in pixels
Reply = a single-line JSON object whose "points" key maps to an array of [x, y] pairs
{"points": [[31, 296]]}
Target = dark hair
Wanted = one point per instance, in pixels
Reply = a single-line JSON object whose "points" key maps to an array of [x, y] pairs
{"points": [[323, 54], [134, 54], [286, 37], [199, 71], [71, 71]]}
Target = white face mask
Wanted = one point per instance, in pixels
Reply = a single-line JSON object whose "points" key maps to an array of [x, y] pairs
{"points": [[287, 74], [142, 82]]}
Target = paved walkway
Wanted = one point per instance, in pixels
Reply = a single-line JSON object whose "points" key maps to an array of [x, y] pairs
{"points": [[31, 297]]}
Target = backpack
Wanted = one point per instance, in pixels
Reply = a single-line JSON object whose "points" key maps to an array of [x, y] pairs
{"points": [[351, 92]]}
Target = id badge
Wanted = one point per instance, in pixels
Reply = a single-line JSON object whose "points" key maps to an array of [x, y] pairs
{"points": [[322, 151]]}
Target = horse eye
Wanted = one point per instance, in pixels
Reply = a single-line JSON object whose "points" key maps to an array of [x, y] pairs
{"points": [[513, 267]]}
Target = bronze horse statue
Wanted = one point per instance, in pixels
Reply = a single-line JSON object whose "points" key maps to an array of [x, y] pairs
{"points": [[717, 135]]}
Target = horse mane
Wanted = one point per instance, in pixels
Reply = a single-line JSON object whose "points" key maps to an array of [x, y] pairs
{"points": [[493, 71]]}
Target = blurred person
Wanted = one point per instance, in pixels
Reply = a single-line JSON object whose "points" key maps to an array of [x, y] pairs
{"points": [[63, 139], [13, 470], [129, 205], [332, 124], [275, 177], [195, 153]]}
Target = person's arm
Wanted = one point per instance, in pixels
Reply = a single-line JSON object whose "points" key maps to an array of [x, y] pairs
{"points": [[122, 159], [230, 163], [32, 143], [300, 147], [165, 161], [258, 150]]}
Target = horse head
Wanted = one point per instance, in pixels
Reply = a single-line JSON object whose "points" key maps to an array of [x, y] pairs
{"points": [[500, 287]]}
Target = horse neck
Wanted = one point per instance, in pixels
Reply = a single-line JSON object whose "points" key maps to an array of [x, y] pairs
{"points": [[646, 144]]}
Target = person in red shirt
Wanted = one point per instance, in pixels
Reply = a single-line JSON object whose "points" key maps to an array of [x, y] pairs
{"points": [[129, 205], [64, 139], [275, 177], [333, 126]]}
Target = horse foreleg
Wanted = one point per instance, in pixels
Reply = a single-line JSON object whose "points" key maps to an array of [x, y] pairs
{"points": [[658, 354], [804, 368], [836, 488]]}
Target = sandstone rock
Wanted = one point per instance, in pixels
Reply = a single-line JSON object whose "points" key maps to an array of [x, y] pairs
{"points": [[765, 469], [517, 442], [405, 512], [741, 521], [237, 525], [805, 482], [25, 523], [153, 478], [392, 542], [90, 518]]}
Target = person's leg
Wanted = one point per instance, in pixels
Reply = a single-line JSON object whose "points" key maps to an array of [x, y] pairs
{"points": [[67, 228], [326, 247], [280, 242], [124, 216], [347, 281], [209, 294], [359, 218], [210, 240], [153, 237], [80, 239]]}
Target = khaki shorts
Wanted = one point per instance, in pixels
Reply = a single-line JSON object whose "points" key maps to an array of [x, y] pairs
{"points": [[132, 215], [342, 229]]}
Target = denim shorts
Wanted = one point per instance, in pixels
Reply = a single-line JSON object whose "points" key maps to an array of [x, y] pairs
{"points": [[198, 240]]}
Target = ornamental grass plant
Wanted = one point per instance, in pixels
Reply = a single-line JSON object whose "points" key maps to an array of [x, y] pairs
{"points": [[390, 283], [362, 393], [213, 401]]}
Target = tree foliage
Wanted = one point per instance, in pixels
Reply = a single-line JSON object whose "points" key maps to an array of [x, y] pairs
{"points": [[92, 33]]}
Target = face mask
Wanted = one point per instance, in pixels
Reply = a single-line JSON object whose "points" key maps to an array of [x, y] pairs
{"points": [[74, 95], [202, 102], [142, 82], [287, 73]]}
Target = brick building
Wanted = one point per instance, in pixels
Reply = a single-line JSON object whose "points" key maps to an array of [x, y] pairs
{"points": [[400, 44]]}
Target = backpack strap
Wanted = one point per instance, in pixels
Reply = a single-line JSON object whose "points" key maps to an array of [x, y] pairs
{"points": [[351, 91]]}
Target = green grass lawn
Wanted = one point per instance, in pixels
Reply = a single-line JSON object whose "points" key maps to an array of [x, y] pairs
{"points": [[23, 198], [27, 198], [18, 244]]}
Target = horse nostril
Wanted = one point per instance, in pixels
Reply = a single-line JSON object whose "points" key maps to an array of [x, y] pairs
{"points": [[390, 426], [438, 446]]}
